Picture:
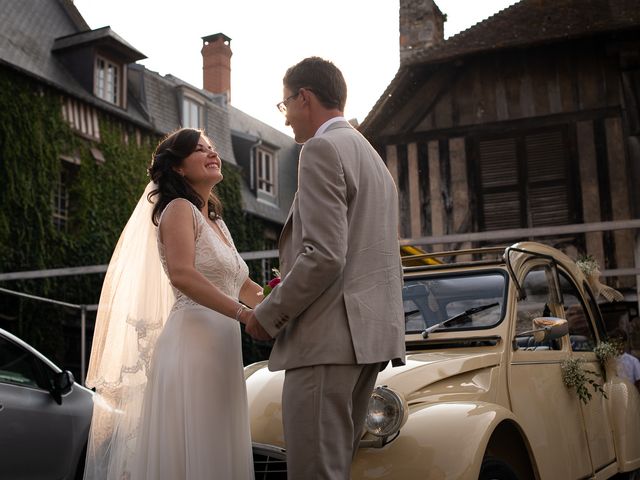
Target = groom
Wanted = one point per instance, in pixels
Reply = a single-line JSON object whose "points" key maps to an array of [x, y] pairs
{"points": [[337, 315]]}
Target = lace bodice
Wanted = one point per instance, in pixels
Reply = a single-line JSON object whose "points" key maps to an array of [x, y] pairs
{"points": [[218, 261]]}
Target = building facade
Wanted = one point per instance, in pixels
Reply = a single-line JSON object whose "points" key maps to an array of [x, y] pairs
{"points": [[79, 121], [528, 119]]}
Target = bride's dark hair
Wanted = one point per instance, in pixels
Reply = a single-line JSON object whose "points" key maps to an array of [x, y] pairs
{"points": [[170, 153]]}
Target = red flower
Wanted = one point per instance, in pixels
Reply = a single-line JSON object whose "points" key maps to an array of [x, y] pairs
{"points": [[266, 290]]}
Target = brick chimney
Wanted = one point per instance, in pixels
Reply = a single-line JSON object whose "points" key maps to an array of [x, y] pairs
{"points": [[216, 64], [421, 27]]}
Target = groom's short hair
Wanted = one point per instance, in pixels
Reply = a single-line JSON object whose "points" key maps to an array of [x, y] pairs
{"points": [[320, 76]]}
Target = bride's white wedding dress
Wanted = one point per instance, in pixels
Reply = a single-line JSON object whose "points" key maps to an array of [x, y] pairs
{"points": [[194, 422]]}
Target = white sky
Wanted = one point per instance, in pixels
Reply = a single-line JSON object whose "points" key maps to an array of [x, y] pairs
{"points": [[268, 36]]}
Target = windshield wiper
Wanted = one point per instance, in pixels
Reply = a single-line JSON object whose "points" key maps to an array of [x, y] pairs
{"points": [[411, 312], [466, 313]]}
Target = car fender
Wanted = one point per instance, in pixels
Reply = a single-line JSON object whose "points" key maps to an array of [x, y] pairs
{"points": [[440, 441], [624, 411]]}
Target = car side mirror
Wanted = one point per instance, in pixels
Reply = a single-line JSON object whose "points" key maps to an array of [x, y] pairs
{"points": [[549, 328], [61, 385], [546, 328]]}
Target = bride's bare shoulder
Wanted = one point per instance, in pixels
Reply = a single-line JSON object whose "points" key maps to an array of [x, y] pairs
{"points": [[177, 212]]}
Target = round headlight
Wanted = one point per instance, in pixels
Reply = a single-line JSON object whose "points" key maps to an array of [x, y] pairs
{"points": [[386, 412]]}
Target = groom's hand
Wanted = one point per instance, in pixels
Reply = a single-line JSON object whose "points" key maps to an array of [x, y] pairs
{"points": [[253, 328]]}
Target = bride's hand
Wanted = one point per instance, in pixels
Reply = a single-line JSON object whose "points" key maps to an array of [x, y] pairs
{"points": [[253, 328], [251, 293]]}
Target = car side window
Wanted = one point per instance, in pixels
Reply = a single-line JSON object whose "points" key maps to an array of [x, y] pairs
{"points": [[540, 296], [18, 366], [581, 332]]}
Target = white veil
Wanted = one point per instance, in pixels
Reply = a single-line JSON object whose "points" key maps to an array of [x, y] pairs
{"points": [[134, 304]]}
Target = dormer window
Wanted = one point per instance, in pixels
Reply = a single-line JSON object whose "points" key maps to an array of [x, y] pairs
{"points": [[98, 60], [266, 172], [191, 113], [108, 78]]}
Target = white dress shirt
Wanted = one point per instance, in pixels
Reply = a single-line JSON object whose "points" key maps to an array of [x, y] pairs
{"points": [[325, 125], [629, 367]]}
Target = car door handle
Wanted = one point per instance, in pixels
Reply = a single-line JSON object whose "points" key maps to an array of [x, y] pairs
{"points": [[1, 407]]}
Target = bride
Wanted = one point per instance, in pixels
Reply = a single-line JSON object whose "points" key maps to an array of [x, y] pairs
{"points": [[171, 400]]}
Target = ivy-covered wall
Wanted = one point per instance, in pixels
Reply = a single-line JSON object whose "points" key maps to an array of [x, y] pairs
{"points": [[33, 137]]}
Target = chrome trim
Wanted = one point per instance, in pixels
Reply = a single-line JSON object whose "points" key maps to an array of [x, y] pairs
{"points": [[269, 462]]}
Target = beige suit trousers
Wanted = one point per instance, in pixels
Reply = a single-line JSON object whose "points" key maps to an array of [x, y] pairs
{"points": [[324, 408]]}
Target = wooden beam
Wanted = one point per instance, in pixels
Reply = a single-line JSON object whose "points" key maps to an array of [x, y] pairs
{"points": [[435, 190], [618, 178], [414, 190], [429, 94], [392, 162], [519, 233], [459, 188], [589, 186]]}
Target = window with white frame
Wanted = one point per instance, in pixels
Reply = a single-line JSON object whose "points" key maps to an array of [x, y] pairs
{"points": [[191, 113], [107, 81], [60, 198], [266, 171]]}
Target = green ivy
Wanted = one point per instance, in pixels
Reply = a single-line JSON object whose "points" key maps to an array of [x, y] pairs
{"points": [[247, 231], [33, 137]]}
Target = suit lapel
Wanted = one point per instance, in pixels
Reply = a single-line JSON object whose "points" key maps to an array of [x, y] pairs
{"points": [[287, 223], [295, 199]]}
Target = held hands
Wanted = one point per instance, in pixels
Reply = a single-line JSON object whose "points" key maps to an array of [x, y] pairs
{"points": [[252, 327]]}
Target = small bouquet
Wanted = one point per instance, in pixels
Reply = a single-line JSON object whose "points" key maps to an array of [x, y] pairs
{"points": [[591, 271], [266, 290]]}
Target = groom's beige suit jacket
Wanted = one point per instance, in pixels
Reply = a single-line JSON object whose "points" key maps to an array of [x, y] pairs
{"points": [[340, 299]]}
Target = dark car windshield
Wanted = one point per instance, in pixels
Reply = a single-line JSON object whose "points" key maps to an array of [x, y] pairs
{"points": [[434, 299]]}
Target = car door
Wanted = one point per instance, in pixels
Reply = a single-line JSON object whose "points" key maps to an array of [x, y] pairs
{"points": [[583, 340], [547, 411], [34, 432]]}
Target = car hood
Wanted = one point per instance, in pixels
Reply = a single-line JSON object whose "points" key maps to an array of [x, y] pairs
{"points": [[441, 374], [426, 377]]}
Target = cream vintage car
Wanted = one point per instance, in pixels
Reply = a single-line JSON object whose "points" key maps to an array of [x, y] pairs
{"points": [[482, 394]]}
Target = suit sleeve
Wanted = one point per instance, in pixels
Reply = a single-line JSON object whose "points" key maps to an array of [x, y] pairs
{"points": [[322, 206]]}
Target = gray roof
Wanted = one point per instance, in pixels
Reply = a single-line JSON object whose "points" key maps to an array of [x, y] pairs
{"points": [[36, 34], [531, 22], [524, 24], [251, 130], [248, 125], [161, 96], [28, 30], [267, 211], [104, 36]]}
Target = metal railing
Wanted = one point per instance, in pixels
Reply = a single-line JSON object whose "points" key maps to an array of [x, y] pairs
{"points": [[450, 239], [537, 232]]}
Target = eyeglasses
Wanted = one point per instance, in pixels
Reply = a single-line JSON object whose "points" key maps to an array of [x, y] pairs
{"points": [[282, 106]]}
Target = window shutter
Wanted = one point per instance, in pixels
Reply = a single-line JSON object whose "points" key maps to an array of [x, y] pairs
{"points": [[499, 184], [524, 181], [548, 195]]}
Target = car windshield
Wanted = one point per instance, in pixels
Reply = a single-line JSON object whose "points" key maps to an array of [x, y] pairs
{"points": [[476, 299]]}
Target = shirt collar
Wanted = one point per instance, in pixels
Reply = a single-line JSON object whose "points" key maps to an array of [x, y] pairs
{"points": [[325, 125]]}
